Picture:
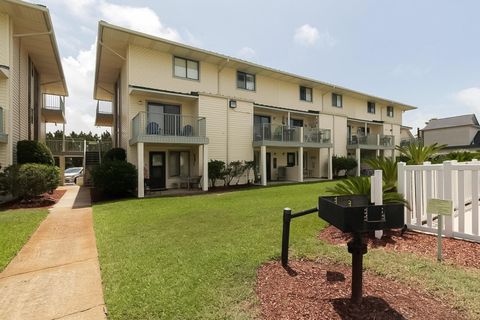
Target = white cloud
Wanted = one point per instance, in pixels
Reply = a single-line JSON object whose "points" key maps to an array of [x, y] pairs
{"points": [[247, 53], [308, 36], [470, 97], [141, 19]]}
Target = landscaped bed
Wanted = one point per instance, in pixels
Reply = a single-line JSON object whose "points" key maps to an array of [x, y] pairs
{"points": [[45, 200], [16, 226], [197, 257]]}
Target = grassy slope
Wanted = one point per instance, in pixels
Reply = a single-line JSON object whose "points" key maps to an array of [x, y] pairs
{"points": [[16, 226], [196, 257]]}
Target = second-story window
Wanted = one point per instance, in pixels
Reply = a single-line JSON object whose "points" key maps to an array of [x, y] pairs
{"points": [[305, 94], [337, 100], [371, 107], [185, 68], [390, 111], [245, 81]]}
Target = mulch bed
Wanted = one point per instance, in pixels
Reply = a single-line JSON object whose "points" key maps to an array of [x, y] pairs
{"points": [[317, 290], [45, 200], [458, 252]]}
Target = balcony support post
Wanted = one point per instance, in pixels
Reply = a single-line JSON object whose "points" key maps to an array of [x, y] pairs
{"points": [[357, 156], [205, 168], [300, 164], [263, 165], [140, 165], [330, 164]]}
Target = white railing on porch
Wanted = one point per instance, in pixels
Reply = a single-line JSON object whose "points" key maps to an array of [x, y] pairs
{"points": [[451, 180]]}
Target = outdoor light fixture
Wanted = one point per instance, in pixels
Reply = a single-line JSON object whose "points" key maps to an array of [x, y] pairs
{"points": [[232, 104]]}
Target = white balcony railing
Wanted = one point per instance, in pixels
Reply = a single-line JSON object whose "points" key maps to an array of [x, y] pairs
{"points": [[269, 132], [171, 125], [372, 140]]}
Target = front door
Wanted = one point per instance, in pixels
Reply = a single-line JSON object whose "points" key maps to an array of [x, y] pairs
{"points": [[157, 170]]}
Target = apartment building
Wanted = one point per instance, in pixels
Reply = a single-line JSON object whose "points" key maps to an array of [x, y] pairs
{"points": [[175, 107], [32, 83]]}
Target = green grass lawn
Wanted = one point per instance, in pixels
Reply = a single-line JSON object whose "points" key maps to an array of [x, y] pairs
{"points": [[16, 227], [196, 257]]}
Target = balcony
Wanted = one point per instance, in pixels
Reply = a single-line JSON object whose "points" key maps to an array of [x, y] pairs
{"points": [[3, 134], [372, 142], [104, 115], [68, 146], [266, 134], [53, 110], [168, 128]]}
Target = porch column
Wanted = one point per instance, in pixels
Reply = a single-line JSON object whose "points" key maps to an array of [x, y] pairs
{"points": [[263, 165], [205, 168], [300, 164], [319, 162], [378, 153], [357, 156], [140, 165], [330, 164], [61, 160]]}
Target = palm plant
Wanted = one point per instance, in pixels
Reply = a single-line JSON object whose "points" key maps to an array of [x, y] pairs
{"points": [[417, 153], [361, 186], [389, 171]]}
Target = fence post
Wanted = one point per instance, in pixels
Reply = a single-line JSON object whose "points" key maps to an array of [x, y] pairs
{"points": [[448, 193], [401, 178], [376, 194], [287, 216]]}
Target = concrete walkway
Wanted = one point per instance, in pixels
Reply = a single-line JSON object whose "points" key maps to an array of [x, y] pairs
{"points": [[56, 275]]}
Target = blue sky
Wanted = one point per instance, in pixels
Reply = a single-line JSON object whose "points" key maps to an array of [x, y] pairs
{"points": [[424, 53]]}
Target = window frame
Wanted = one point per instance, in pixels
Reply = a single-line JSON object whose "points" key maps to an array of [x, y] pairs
{"points": [[186, 60], [291, 164], [179, 152], [392, 113], [334, 101], [369, 105], [245, 81], [311, 93]]}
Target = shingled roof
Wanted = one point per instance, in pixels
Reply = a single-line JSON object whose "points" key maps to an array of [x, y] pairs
{"points": [[464, 120]]}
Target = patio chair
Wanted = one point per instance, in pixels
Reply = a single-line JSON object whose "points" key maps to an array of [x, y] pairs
{"points": [[187, 131], [153, 128]]}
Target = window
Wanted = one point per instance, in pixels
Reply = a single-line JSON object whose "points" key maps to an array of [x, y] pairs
{"points": [[306, 94], [371, 107], [337, 100], [245, 81], [291, 159], [296, 123], [179, 164], [185, 68], [390, 111]]}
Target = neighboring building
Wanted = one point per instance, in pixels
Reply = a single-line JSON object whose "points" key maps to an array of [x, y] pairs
{"points": [[32, 84], [175, 107], [458, 133]]}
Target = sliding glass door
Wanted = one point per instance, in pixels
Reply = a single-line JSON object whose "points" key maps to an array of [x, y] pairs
{"points": [[163, 119]]}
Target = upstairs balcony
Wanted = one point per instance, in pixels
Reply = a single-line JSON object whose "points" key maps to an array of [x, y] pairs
{"points": [[371, 142], [53, 110], [104, 115], [266, 134], [67, 146], [151, 127]]}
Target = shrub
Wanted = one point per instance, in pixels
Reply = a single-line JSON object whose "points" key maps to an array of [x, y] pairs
{"points": [[29, 180], [115, 154], [115, 178], [216, 171], [235, 169], [34, 152], [343, 163]]}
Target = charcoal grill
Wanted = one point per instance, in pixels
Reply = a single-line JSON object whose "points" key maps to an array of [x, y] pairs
{"points": [[353, 214]]}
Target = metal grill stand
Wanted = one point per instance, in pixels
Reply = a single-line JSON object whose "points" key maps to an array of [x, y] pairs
{"points": [[357, 248]]}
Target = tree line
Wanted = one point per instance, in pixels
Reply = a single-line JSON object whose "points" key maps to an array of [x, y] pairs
{"points": [[58, 135]]}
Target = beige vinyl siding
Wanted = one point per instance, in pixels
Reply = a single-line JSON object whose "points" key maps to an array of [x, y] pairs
{"points": [[154, 69], [5, 40], [453, 136], [4, 158], [19, 94], [125, 124], [240, 132], [215, 111]]}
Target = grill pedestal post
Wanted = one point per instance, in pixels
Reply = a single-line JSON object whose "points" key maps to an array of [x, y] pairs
{"points": [[357, 248]]}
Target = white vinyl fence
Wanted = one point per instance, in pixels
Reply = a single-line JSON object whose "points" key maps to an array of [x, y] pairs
{"points": [[451, 180]]}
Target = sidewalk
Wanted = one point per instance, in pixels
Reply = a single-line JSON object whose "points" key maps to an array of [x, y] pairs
{"points": [[56, 275]]}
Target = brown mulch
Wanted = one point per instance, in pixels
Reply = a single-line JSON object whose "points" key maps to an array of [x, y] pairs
{"points": [[45, 200], [458, 252], [317, 290]]}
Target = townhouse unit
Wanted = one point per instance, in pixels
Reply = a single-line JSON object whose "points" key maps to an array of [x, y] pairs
{"points": [[459, 133], [32, 83], [175, 107]]}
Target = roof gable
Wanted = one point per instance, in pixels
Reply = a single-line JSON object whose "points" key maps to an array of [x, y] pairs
{"points": [[457, 121]]}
